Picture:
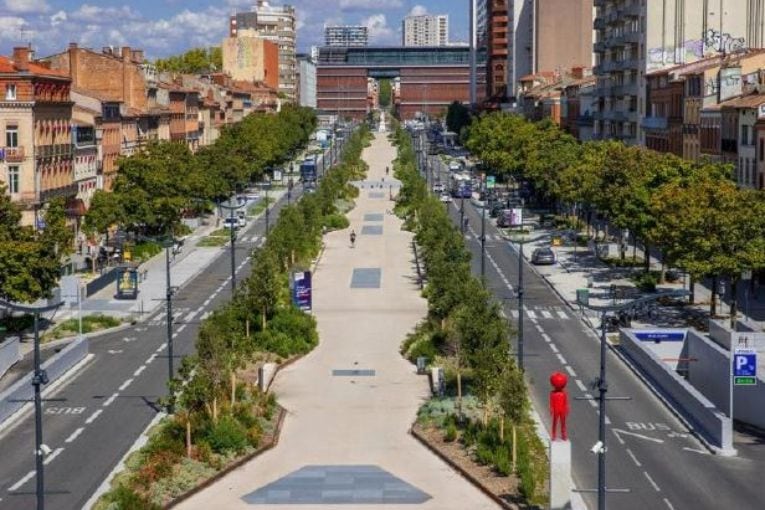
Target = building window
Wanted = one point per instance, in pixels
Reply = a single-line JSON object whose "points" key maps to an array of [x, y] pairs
{"points": [[10, 92], [11, 136], [13, 179]]}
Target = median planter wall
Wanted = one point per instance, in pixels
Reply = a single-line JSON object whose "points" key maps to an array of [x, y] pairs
{"points": [[10, 354], [14, 398]]}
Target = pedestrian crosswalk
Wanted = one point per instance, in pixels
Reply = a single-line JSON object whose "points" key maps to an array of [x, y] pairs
{"points": [[490, 238], [545, 313]]}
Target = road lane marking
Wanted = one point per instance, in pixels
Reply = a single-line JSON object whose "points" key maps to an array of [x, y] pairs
{"points": [[125, 384], [109, 401], [696, 450], [189, 316], [531, 314], [554, 349], [162, 347], [562, 314], [93, 416], [581, 385], [650, 480], [546, 338], [207, 301], [669, 505], [53, 455], [139, 370], [640, 436], [570, 370], [561, 358], [74, 435], [151, 358], [181, 328], [24, 479], [539, 328], [632, 455], [205, 315], [591, 400], [546, 314]]}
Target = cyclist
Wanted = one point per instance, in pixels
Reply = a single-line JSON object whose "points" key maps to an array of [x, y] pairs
{"points": [[353, 238]]}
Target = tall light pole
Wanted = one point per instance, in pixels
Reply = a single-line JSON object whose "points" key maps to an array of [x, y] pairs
{"points": [[231, 208], [39, 379]]}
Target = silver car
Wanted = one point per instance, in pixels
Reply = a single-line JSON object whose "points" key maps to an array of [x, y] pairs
{"points": [[543, 256]]}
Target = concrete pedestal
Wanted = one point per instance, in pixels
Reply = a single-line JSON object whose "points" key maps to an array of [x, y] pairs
{"points": [[265, 375], [560, 475]]}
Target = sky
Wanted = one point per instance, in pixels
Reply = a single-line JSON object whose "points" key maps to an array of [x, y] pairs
{"points": [[168, 27]]}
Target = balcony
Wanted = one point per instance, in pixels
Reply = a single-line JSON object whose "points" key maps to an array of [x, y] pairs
{"points": [[600, 23], [626, 89], [612, 16], [632, 10], [13, 154], [586, 120], [68, 190], [599, 47], [57, 150], [600, 3], [655, 123]]}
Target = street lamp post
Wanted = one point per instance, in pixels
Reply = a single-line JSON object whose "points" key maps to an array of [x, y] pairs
{"points": [[232, 236], [483, 241], [602, 490], [169, 320], [39, 379]]}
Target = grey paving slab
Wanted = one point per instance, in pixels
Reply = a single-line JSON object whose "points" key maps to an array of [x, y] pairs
{"points": [[376, 194], [372, 230], [374, 217], [353, 372], [366, 278], [338, 485]]}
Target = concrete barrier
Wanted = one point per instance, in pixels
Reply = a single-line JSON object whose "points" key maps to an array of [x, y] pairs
{"points": [[698, 411], [14, 397], [10, 354]]}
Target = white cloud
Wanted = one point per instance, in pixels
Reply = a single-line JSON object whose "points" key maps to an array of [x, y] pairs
{"points": [[418, 10], [58, 18], [9, 28], [378, 28], [370, 4], [97, 14], [27, 6]]}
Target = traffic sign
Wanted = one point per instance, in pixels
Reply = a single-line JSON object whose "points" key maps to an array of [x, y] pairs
{"points": [[744, 366]]}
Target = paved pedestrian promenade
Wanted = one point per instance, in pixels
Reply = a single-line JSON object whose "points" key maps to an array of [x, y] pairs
{"points": [[345, 441]]}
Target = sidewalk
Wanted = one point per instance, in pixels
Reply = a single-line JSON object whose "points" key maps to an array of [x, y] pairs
{"points": [[350, 402]]}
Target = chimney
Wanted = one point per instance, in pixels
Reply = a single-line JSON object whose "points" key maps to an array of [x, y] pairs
{"points": [[21, 58], [138, 56], [74, 63], [126, 53]]}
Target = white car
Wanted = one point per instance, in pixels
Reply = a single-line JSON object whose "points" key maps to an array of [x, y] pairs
{"points": [[231, 222], [438, 188], [446, 198]]}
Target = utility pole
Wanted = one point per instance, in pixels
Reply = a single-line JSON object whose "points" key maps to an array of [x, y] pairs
{"points": [[169, 320], [483, 241], [232, 235]]}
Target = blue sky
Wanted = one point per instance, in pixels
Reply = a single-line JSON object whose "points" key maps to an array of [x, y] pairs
{"points": [[166, 27]]}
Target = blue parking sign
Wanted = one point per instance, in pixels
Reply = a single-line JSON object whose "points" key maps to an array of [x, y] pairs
{"points": [[744, 367]]}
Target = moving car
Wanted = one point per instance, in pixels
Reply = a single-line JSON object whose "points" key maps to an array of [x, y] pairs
{"points": [[543, 256], [438, 188], [505, 218], [445, 197], [455, 166], [231, 223]]}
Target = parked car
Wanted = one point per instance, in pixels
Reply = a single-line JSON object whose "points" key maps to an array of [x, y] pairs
{"points": [[495, 210], [446, 198], [231, 223], [543, 256], [438, 188], [455, 166], [505, 218]]}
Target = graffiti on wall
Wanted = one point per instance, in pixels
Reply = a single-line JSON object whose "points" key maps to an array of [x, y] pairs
{"points": [[689, 51], [723, 42]]}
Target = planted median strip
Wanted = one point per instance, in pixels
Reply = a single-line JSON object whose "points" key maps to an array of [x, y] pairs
{"points": [[221, 417]]}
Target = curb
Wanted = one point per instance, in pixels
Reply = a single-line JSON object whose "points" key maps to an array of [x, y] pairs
{"points": [[235, 465], [470, 478]]}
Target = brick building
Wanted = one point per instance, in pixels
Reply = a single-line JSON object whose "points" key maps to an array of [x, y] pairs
{"points": [[663, 124]]}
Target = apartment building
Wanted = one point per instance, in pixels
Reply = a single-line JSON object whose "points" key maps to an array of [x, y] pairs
{"points": [[425, 30], [248, 57], [637, 37], [346, 36], [276, 24], [306, 81]]}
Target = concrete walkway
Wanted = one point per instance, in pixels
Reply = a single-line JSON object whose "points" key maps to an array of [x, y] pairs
{"points": [[345, 442]]}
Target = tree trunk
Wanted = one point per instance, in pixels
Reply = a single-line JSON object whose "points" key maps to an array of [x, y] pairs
{"points": [[515, 448], [662, 272], [247, 328], [502, 429], [263, 319], [733, 302], [691, 289], [188, 434], [713, 301], [459, 393], [646, 257], [292, 257], [634, 249], [233, 387], [215, 410]]}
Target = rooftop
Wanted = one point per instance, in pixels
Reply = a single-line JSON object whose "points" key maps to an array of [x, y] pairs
{"points": [[7, 65]]}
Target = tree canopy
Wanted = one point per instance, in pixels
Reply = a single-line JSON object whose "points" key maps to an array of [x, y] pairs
{"points": [[194, 61]]}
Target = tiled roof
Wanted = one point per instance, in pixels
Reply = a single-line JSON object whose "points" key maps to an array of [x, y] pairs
{"points": [[8, 66], [750, 101]]}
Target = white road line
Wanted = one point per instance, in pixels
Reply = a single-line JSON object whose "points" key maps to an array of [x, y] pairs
{"points": [[669, 505], [562, 314], [531, 314], [619, 438], [580, 385], [561, 358], [189, 316], [546, 314], [205, 315], [109, 401], [632, 455], [539, 328], [162, 347], [514, 313], [207, 301], [696, 450], [125, 384], [650, 480], [554, 348], [93, 416], [24, 479], [199, 310], [570, 371], [591, 400], [53, 455], [74, 435], [181, 328], [607, 421], [151, 358], [546, 337], [139, 370]]}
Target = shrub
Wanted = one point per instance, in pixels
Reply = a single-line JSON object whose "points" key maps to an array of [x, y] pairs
{"points": [[146, 250], [125, 498], [156, 466], [451, 433], [289, 332], [228, 435], [335, 222], [646, 282]]}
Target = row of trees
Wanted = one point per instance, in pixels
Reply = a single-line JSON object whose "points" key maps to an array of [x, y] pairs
{"points": [[157, 186], [217, 415], [194, 61], [691, 212], [464, 328]]}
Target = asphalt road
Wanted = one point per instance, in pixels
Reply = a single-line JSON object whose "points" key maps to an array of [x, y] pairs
{"points": [[649, 452], [94, 419]]}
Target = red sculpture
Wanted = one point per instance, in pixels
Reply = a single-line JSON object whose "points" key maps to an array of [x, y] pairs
{"points": [[559, 404]]}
